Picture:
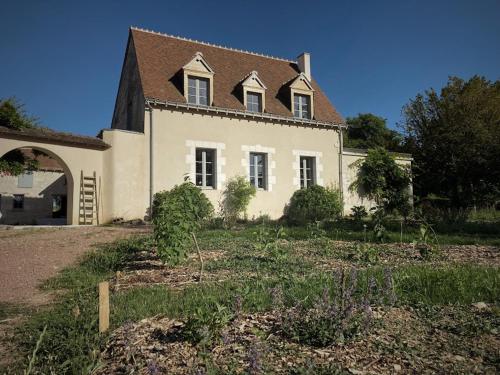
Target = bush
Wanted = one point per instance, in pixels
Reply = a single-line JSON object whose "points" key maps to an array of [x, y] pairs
{"points": [[176, 215], [313, 204], [358, 213], [236, 198]]}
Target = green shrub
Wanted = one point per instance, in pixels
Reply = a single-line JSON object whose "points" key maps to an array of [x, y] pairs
{"points": [[176, 215], [315, 203], [358, 213], [235, 199]]}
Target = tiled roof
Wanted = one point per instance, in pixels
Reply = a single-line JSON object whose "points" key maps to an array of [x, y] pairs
{"points": [[45, 162], [161, 58], [50, 136]]}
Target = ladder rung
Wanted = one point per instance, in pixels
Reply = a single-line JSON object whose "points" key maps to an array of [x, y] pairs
{"points": [[89, 178]]}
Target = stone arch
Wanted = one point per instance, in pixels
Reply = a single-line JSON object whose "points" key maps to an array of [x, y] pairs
{"points": [[70, 182]]}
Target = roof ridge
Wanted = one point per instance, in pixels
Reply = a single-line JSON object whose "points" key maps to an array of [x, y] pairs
{"points": [[212, 45]]}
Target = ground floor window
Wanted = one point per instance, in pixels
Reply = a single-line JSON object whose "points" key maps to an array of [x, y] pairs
{"points": [[307, 171], [18, 202], [258, 170], [205, 167]]}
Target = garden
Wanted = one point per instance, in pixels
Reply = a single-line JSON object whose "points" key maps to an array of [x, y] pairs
{"points": [[311, 293]]}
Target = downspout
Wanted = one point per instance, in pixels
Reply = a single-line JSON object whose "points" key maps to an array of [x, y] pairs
{"points": [[341, 167], [151, 160]]}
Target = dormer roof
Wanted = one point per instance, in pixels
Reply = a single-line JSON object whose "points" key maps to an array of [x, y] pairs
{"points": [[253, 80], [301, 83], [199, 64]]}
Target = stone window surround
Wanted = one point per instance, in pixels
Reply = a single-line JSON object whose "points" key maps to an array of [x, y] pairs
{"points": [[220, 161], [318, 170], [270, 167]]}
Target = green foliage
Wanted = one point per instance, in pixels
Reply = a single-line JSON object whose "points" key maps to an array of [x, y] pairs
{"points": [[316, 230], [177, 214], [381, 179], [378, 218], [426, 243], [268, 239], [14, 163], [204, 327], [358, 213], [368, 131], [235, 199], [13, 115], [363, 253], [453, 136], [312, 204]]}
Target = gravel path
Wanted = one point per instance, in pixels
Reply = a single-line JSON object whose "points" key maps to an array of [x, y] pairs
{"points": [[30, 256]]}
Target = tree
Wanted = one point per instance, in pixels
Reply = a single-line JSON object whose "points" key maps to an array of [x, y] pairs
{"points": [[454, 139], [13, 116], [382, 180], [368, 131]]}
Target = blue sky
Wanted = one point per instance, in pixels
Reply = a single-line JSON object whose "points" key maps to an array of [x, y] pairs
{"points": [[63, 58]]}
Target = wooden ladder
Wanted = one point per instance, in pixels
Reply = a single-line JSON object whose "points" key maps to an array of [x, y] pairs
{"points": [[88, 214]]}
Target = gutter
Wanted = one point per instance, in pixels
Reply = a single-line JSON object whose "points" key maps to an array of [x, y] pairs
{"points": [[252, 115], [341, 167], [151, 159]]}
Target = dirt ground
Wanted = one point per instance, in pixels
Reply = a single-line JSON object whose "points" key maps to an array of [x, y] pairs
{"points": [[31, 256]]}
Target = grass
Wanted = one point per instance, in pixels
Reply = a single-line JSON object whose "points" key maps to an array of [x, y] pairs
{"points": [[72, 344], [461, 233], [9, 309]]}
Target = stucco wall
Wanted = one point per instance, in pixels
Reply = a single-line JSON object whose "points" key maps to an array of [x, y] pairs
{"points": [[126, 167], [37, 199], [176, 134]]}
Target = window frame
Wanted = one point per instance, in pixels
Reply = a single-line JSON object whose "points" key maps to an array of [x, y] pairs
{"points": [[259, 104], [15, 202], [197, 96], [299, 113], [303, 168], [203, 161], [254, 170]]}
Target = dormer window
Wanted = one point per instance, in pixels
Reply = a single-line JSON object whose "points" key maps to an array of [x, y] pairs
{"points": [[254, 93], [254, 101], [198, 81], [302, 106], [198, 90], [302, 95]]}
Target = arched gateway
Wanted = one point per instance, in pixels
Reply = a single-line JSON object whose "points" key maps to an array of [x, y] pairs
{"points": [[81, 159]]}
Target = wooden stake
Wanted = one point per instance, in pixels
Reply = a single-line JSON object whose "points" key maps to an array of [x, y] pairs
{"points": [[199, 256], [103, 306]]}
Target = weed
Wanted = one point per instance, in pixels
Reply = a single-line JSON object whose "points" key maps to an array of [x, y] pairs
{"points": [[205, 327], [363, 253]]}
